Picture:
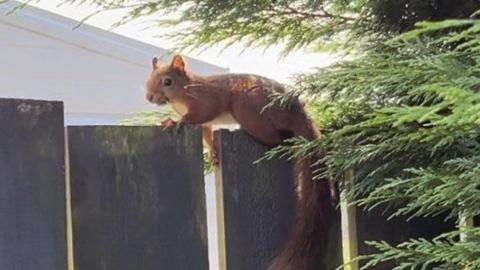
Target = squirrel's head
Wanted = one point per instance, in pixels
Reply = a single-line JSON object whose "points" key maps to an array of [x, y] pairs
{"points": [[166, 83]]}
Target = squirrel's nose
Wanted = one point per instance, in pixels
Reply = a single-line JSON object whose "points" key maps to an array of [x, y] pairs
{"points": [[149, 96]]}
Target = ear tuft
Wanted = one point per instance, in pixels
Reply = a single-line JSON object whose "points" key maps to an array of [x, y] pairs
{"points": [[178, 63], [155, 63]]}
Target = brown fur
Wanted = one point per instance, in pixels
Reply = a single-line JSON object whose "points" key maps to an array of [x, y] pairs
{"points": [[244, 97]]}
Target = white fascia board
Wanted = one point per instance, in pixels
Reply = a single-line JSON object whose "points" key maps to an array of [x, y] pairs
{"points": [[88, 37]]}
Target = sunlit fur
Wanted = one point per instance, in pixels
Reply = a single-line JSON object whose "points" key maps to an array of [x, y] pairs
{"points": [[158, 93]]}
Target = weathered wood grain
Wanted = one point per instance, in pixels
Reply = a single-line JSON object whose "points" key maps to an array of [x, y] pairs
{"points": [[32, 185], [258, 204], [138, 199]]}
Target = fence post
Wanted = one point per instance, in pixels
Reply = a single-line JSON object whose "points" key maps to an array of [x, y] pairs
{"points": [[32, 185], [220, 219], [349, 224], [466, 222]]}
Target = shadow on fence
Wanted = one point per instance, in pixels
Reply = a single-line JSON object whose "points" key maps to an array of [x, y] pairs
{"points": [[137, 199]]}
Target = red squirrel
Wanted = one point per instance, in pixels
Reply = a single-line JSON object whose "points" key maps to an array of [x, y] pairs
{"points": [[241, 99]]}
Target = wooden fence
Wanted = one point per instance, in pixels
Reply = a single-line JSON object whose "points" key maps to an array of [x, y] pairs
{"points": [[124, 198]]}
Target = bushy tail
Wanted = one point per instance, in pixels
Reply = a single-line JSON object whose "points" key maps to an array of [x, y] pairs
{"points": [[308, 240], [314, 217]]}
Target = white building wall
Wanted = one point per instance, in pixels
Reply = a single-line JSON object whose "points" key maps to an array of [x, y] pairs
{"points": [[99, 75]]}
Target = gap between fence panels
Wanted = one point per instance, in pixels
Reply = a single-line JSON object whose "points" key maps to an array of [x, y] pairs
{"points": [[215, 224], [68, 204]]}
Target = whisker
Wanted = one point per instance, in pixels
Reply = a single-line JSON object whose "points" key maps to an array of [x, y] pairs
{"points": [[192, 85], [193, 95]]}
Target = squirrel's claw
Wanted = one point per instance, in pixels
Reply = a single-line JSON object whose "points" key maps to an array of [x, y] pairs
{"points": [[167, 123], [178, 126], [171, 124]]}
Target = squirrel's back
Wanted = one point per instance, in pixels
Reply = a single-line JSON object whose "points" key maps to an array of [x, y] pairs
{"points": [[244, 82]]}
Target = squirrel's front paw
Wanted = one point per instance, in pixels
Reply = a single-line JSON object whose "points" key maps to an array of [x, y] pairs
{"points": [[168, 123]]}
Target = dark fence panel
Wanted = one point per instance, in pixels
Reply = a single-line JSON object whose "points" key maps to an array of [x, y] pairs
{"points": [[258, 204], [137, 198], [32, 185], [374, 225]]}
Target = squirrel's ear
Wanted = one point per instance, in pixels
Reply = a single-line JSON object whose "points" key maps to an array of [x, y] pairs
{"points": [[155, 63], [178, 63]]}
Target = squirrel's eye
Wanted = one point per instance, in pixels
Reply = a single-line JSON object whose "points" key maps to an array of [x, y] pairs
{"points": [[167, 82]]}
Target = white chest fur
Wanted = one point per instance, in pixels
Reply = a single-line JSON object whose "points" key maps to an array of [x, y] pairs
{"points": [[225, 121], [179, 108]]}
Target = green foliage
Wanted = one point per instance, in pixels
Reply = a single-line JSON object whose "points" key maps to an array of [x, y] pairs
{"points": [[261, 23], [150, 118], [411, 132], [401, 16], [429, 192], [444, 252], [320, 24]]}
